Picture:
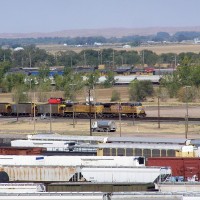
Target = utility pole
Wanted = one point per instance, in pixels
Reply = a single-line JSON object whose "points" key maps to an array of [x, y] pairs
{"points": [[90, 114], [73, 111], [113, 59], [159, 101], [142, 56], [186, 107], [34, 111], [84, 59], [30, 59], [120, 119], [159, 110], [50, 118], [71, 61]]}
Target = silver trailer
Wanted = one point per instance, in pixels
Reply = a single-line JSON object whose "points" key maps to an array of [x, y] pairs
{"points": [[104, 126]]}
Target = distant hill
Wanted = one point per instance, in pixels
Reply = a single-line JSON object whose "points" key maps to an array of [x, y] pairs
{"points": [[107, 32]]}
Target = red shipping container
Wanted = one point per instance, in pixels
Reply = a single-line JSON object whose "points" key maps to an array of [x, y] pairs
{"points": [[186, 167]]}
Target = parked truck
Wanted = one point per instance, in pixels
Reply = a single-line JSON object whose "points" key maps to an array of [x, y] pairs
{"points": [[104, 126]]}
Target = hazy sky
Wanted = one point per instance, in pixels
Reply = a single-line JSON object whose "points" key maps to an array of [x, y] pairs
{"points": [[23, 16]]}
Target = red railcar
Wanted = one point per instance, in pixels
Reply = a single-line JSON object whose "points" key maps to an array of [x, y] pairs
{"points": [[21, 150], [185, 167], [55, 100]]}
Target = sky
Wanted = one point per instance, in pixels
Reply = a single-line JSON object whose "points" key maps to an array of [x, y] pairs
{"points": [[26, 16]]}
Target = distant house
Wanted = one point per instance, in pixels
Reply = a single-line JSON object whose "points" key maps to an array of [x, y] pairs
{"points": [[127, 46], [19, 49]]}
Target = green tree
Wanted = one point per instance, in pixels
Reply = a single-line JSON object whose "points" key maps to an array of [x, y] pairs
{"points": [[139, 90], [59, 82], [110, 79], [150, 58], [20, 94], [73, 83], [92, 79], [43, 73], [12, 80]]}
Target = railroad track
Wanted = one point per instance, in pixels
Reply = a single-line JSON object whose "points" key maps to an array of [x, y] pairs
{"points": [[164, 119]]}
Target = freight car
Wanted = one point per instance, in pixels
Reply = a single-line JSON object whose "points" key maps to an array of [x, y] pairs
{"points": [[5, 109], [186, 169], [97, 161], [138, 149], [83, 110], [23, 109], [48, 145], [92, 169], [21, 151], [96, 187], [135, 110], [50, 109]]}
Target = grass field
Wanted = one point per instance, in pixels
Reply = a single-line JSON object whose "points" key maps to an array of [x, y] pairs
{"points": [[158, 49]]}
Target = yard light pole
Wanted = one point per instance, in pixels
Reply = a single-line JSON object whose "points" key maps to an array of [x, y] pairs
{"points": [[30, 80], [120, 119], [159, 91], [50, 113], [186, 116], [158, 110], [90, 112], [73, 105], [34, 111]]}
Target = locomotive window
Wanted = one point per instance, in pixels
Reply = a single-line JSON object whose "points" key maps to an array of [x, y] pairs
{"points": [[113, 152], [138, 152], [156, 153], [106, 152], [120, 152], [171, 153], [129, 152], [163, 153], [147, 153]]}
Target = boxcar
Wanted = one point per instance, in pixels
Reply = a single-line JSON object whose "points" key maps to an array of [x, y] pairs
{"points": [[188, 168]]}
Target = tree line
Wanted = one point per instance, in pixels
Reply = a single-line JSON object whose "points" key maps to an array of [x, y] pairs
{"points": [[187, 72], [32, 56], [134, 40]]}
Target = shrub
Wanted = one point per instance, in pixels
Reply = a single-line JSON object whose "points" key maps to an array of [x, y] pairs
{"points": [[115, 96]]}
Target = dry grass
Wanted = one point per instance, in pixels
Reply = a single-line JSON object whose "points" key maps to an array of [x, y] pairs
{"points": [[158, 49], [128, 129], [103, 95], [146, 129]]}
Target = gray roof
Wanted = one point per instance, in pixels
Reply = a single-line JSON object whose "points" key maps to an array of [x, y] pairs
{"points": [[155, 140]]}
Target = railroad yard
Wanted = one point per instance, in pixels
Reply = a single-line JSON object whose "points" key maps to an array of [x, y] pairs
{"points": [[99, 165], [129, 127]]}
